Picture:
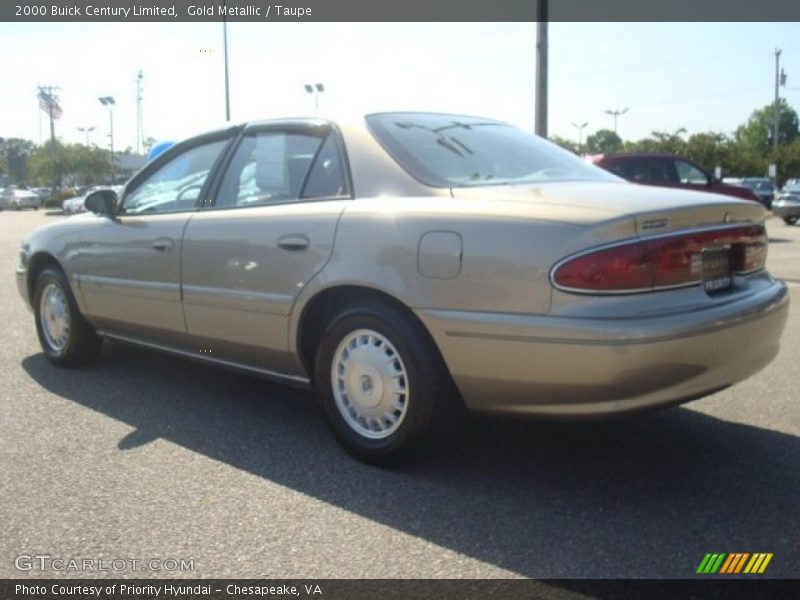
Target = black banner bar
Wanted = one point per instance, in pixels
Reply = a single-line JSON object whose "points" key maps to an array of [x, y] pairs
{"points": [[395, 10], [708, 588]]}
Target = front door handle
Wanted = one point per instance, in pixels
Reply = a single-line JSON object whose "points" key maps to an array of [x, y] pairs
{"points": [[294, 242], [163, 245]]}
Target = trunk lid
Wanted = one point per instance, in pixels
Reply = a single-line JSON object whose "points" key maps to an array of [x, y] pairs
{"points": [[655, 210]]}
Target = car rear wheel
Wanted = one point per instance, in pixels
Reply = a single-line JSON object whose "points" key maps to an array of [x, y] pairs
{"points": [[379, 378], [65, 336], [790, 220]]}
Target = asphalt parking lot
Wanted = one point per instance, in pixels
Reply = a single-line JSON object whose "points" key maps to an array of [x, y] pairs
{"points": [[145, 456]]}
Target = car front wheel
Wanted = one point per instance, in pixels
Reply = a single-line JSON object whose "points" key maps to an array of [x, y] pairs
{"points": [[790, 220], [65, 336], [379, 378]]}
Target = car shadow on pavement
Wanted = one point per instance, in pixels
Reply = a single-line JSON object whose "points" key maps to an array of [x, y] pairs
{"points": [[645, 496]]}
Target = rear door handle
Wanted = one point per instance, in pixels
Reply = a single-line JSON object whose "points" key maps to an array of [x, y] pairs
{"points": [[163, 245], [294, 242]]}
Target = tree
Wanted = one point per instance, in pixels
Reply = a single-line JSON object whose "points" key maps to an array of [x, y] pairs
{"points": [[565, 143], [660, 141], [757, 134], [14, 154], [54, 163], [604, 141]]}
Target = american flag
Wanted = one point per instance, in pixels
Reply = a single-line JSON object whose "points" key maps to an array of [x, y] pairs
{"points": [[48, 102]]}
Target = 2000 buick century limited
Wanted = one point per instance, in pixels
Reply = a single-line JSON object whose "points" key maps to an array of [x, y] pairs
{"points": [[391, 261]]}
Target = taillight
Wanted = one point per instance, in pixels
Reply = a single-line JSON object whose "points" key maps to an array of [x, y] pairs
{"points": [[662, 262]]}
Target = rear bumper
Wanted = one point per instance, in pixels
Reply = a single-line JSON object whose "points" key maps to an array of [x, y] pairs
{"points": [[571, 367]]}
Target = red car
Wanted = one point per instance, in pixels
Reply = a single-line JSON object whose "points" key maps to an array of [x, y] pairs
{"points": [[667, 170]]}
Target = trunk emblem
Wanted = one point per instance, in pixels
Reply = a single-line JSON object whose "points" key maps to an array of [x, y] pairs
{"points": [[654, 223]]}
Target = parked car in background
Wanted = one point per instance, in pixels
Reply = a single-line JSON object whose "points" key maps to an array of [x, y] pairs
{"points": [[787, 204], [407, 262], [667, 170], [16, 199], [763, 188], [790, 183]]}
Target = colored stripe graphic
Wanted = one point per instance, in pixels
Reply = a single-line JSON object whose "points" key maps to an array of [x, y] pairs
{"points": [[730, 564], [734, 563], [758, 563], [727, 564], [711, 563]]}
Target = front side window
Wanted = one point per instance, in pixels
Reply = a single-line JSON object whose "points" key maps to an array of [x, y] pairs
{"points": [[275, 167], [457, 151], [688, 173], [177, 184]]}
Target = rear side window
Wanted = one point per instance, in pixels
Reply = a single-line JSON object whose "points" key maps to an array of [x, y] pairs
{"points": [[649, 169], [688, 173], [457, 151], [326, 178]]}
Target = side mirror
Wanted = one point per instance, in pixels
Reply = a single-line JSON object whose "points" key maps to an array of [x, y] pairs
{"points": [[102, 202]]}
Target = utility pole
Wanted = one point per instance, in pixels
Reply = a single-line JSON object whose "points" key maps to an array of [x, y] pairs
{"points": [[49, 101], [139, 123], [540, 116], [777, 112]]}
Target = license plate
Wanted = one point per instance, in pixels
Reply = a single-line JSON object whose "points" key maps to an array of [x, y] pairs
{"points": [[717, 269]]}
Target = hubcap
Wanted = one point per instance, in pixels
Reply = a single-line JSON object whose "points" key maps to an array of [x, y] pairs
{"points": [[370, 384], [54, 317]]}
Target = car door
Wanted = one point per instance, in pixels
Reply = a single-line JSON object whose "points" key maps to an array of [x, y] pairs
{"points": [[128, 268], [270, 230]]}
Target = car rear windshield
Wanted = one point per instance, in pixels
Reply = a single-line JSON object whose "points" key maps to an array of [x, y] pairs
{"points": [[455, 151]]}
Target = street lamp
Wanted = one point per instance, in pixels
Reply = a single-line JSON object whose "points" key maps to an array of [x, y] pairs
{"points": [[615, 114], [86, 131], [580, 133], [315, 89], [109, 102]]}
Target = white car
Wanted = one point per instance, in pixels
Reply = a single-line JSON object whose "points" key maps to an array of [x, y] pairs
{"points": [[14, 199], [74, 205]]}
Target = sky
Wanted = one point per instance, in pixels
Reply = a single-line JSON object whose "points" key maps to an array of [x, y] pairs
{"points": [[698, 76]]}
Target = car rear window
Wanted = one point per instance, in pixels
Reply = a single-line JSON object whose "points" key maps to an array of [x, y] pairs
{"points": [[457, 151]]}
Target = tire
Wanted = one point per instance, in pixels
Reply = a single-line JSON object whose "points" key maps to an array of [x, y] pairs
{"points": [[68, 340], [790, 220], [360, 343]]}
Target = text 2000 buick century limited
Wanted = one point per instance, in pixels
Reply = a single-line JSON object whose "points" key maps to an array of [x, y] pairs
{"points": [[393, 260]]}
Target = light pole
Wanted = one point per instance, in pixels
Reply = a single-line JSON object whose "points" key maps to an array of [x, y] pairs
{"points": [[108, 101], [225, 53], [580, 133], [540, 108], [615, 114], [86, 131], [315, 89]]}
